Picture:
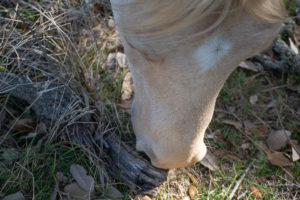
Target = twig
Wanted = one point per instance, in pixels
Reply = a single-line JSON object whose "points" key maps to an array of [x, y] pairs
{"points": [[274, 88], [228, 112], [238, 182]]}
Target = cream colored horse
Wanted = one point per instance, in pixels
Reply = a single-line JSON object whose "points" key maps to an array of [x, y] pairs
{"points": [[180, 53]]}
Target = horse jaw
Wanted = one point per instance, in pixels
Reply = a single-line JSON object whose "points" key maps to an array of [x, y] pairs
{"points": [[176, 90]]}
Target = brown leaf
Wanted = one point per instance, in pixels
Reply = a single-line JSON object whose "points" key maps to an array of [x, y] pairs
{"points": [[235, 124], [76, 191], [15, 196], [61, 177], [278, 159], [246, 146], [210, 161], [263, 130], [185, 198], [192, 177], [114, 193], [293, 46], [121, 59], [142, 198], [193, 192], [214, 135], [295, 155], [256, 192], [219, 153], [249, 66], [125, 104], [278, 139], [127, 87], [25, 125], [87, 183]]}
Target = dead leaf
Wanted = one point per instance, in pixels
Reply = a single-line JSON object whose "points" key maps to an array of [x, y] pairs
{"points": [[76, 191], [15, 196], [235, 124], [192, 177], [295, 155], [263, 130], [193, 192], [25, 125], [87, 183], [185, 198], [61, 177], [278, 159], [246, 146], [121, 59], [114, 193], [278, 139], [214, 135], [253, 99], [111, 60], [272, 104], [210, 161], [256, 192], [293, 46], [111, 23], [249, 66], [219, 153], [125, 104], [142, 198], [127, 87]]}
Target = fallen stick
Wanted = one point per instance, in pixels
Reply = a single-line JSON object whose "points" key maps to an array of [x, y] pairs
{"points": [[238, 182], [287, 60], [64, 113]]}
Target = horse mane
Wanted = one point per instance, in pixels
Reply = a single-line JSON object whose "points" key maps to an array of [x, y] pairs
{"points": [[270, 11], [161, 17]]}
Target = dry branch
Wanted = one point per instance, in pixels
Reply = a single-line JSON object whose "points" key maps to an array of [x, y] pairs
{"points": [[288, 60], [54, 102]]}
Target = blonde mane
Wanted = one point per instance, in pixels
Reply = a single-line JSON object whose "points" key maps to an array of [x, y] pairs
{"points": [[165, 16]]}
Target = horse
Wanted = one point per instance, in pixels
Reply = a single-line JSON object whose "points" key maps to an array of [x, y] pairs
{"points": [[180, 54]]}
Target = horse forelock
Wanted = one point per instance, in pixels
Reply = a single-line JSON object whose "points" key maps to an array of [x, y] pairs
{"points": [[161, 17]]}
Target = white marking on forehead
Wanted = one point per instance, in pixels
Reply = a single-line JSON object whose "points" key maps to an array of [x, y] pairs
{"points": [[211, 52]]}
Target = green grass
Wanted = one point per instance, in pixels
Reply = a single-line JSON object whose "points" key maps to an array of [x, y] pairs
{"points": [[291, 6], [270, 180], [33, 172]]}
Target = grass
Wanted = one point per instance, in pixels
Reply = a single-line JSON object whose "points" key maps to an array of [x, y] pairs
{"points": [[77, 46]]}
